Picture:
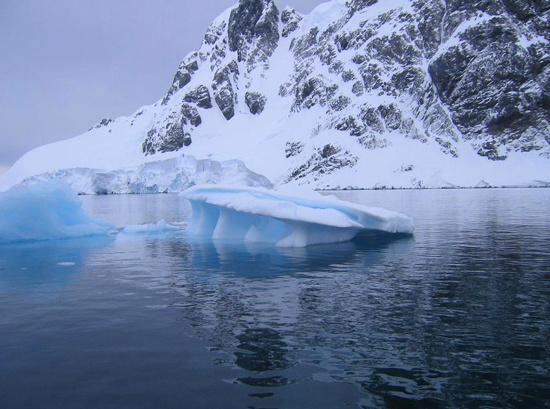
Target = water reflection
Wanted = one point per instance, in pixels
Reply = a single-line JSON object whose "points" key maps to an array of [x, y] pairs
{"points": [[261, 350], [455, 316], [51, 262], [263, 260], [278, 314]]}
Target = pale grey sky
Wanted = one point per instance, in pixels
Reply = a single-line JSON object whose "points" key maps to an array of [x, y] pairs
{"points": [[66, 64]]}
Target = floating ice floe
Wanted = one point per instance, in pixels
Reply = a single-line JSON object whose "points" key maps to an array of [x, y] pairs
{"points": [[45, 211], [257, 215], [153, 228]]}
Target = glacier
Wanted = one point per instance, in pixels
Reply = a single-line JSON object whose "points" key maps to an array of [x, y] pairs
{"points": [[45, 211], [287, 218], [172, 175]]}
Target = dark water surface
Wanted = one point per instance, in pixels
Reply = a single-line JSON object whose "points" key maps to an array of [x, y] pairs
{"points": [[457, 316]]}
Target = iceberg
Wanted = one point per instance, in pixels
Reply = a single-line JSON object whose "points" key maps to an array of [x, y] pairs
{"points": [[161, 176], [155, 228], [285, 219], [45, 211]]}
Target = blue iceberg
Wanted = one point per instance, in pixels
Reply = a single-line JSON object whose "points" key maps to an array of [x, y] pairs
{"points": [[45, 211], [256, 215]]}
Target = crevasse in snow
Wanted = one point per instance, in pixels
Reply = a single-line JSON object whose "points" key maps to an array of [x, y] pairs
{"points": [[294, 219]]}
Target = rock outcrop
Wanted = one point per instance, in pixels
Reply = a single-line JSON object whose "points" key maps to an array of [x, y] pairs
{"points": [[443, 71]]}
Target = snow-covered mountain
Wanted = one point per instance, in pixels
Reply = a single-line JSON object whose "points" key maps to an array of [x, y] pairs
{"points": [[359, 93]]}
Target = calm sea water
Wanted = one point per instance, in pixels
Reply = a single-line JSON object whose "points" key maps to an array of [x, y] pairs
{"points": [[457, 316]]}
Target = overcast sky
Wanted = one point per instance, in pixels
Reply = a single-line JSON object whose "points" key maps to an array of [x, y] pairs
{"points": [[66, 64]]}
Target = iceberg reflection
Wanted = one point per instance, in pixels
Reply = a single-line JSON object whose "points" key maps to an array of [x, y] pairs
{"points": [[256, 260]]}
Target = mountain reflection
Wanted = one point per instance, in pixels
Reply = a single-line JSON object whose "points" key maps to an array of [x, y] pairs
{"points": [[269, 310], [260, 350], [377, 312]]}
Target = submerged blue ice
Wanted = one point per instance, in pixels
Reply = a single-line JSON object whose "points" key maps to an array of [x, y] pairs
{"points": [[45, 211], [256, 215]]}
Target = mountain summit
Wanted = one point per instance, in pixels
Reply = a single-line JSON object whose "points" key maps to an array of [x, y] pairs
{"points": [[359, 93]]}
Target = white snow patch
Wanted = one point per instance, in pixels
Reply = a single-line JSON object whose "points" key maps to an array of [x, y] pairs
{"points": [[324, 15]]}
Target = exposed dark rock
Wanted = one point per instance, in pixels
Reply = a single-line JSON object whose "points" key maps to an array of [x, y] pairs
{"points": [[183, 76], [372, 141], [215, 41], [348, 76], [439, 71], [358, 88], [395, 49], [255, 102], [226, 100], [359, 58], [102, 123], [491, 84], [190, 115], [290, 18], [431, 14], [313, 91], [199, 96], [254, 22], [304, 46], [490, 150], [181, 79], [172, 135], [391, 116], [340, 103], [447, 147], [356, 5], [224, 93], [372, 120], [173, 139], [293, 148], [324, 161], [214, 33], [349, 123]]}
